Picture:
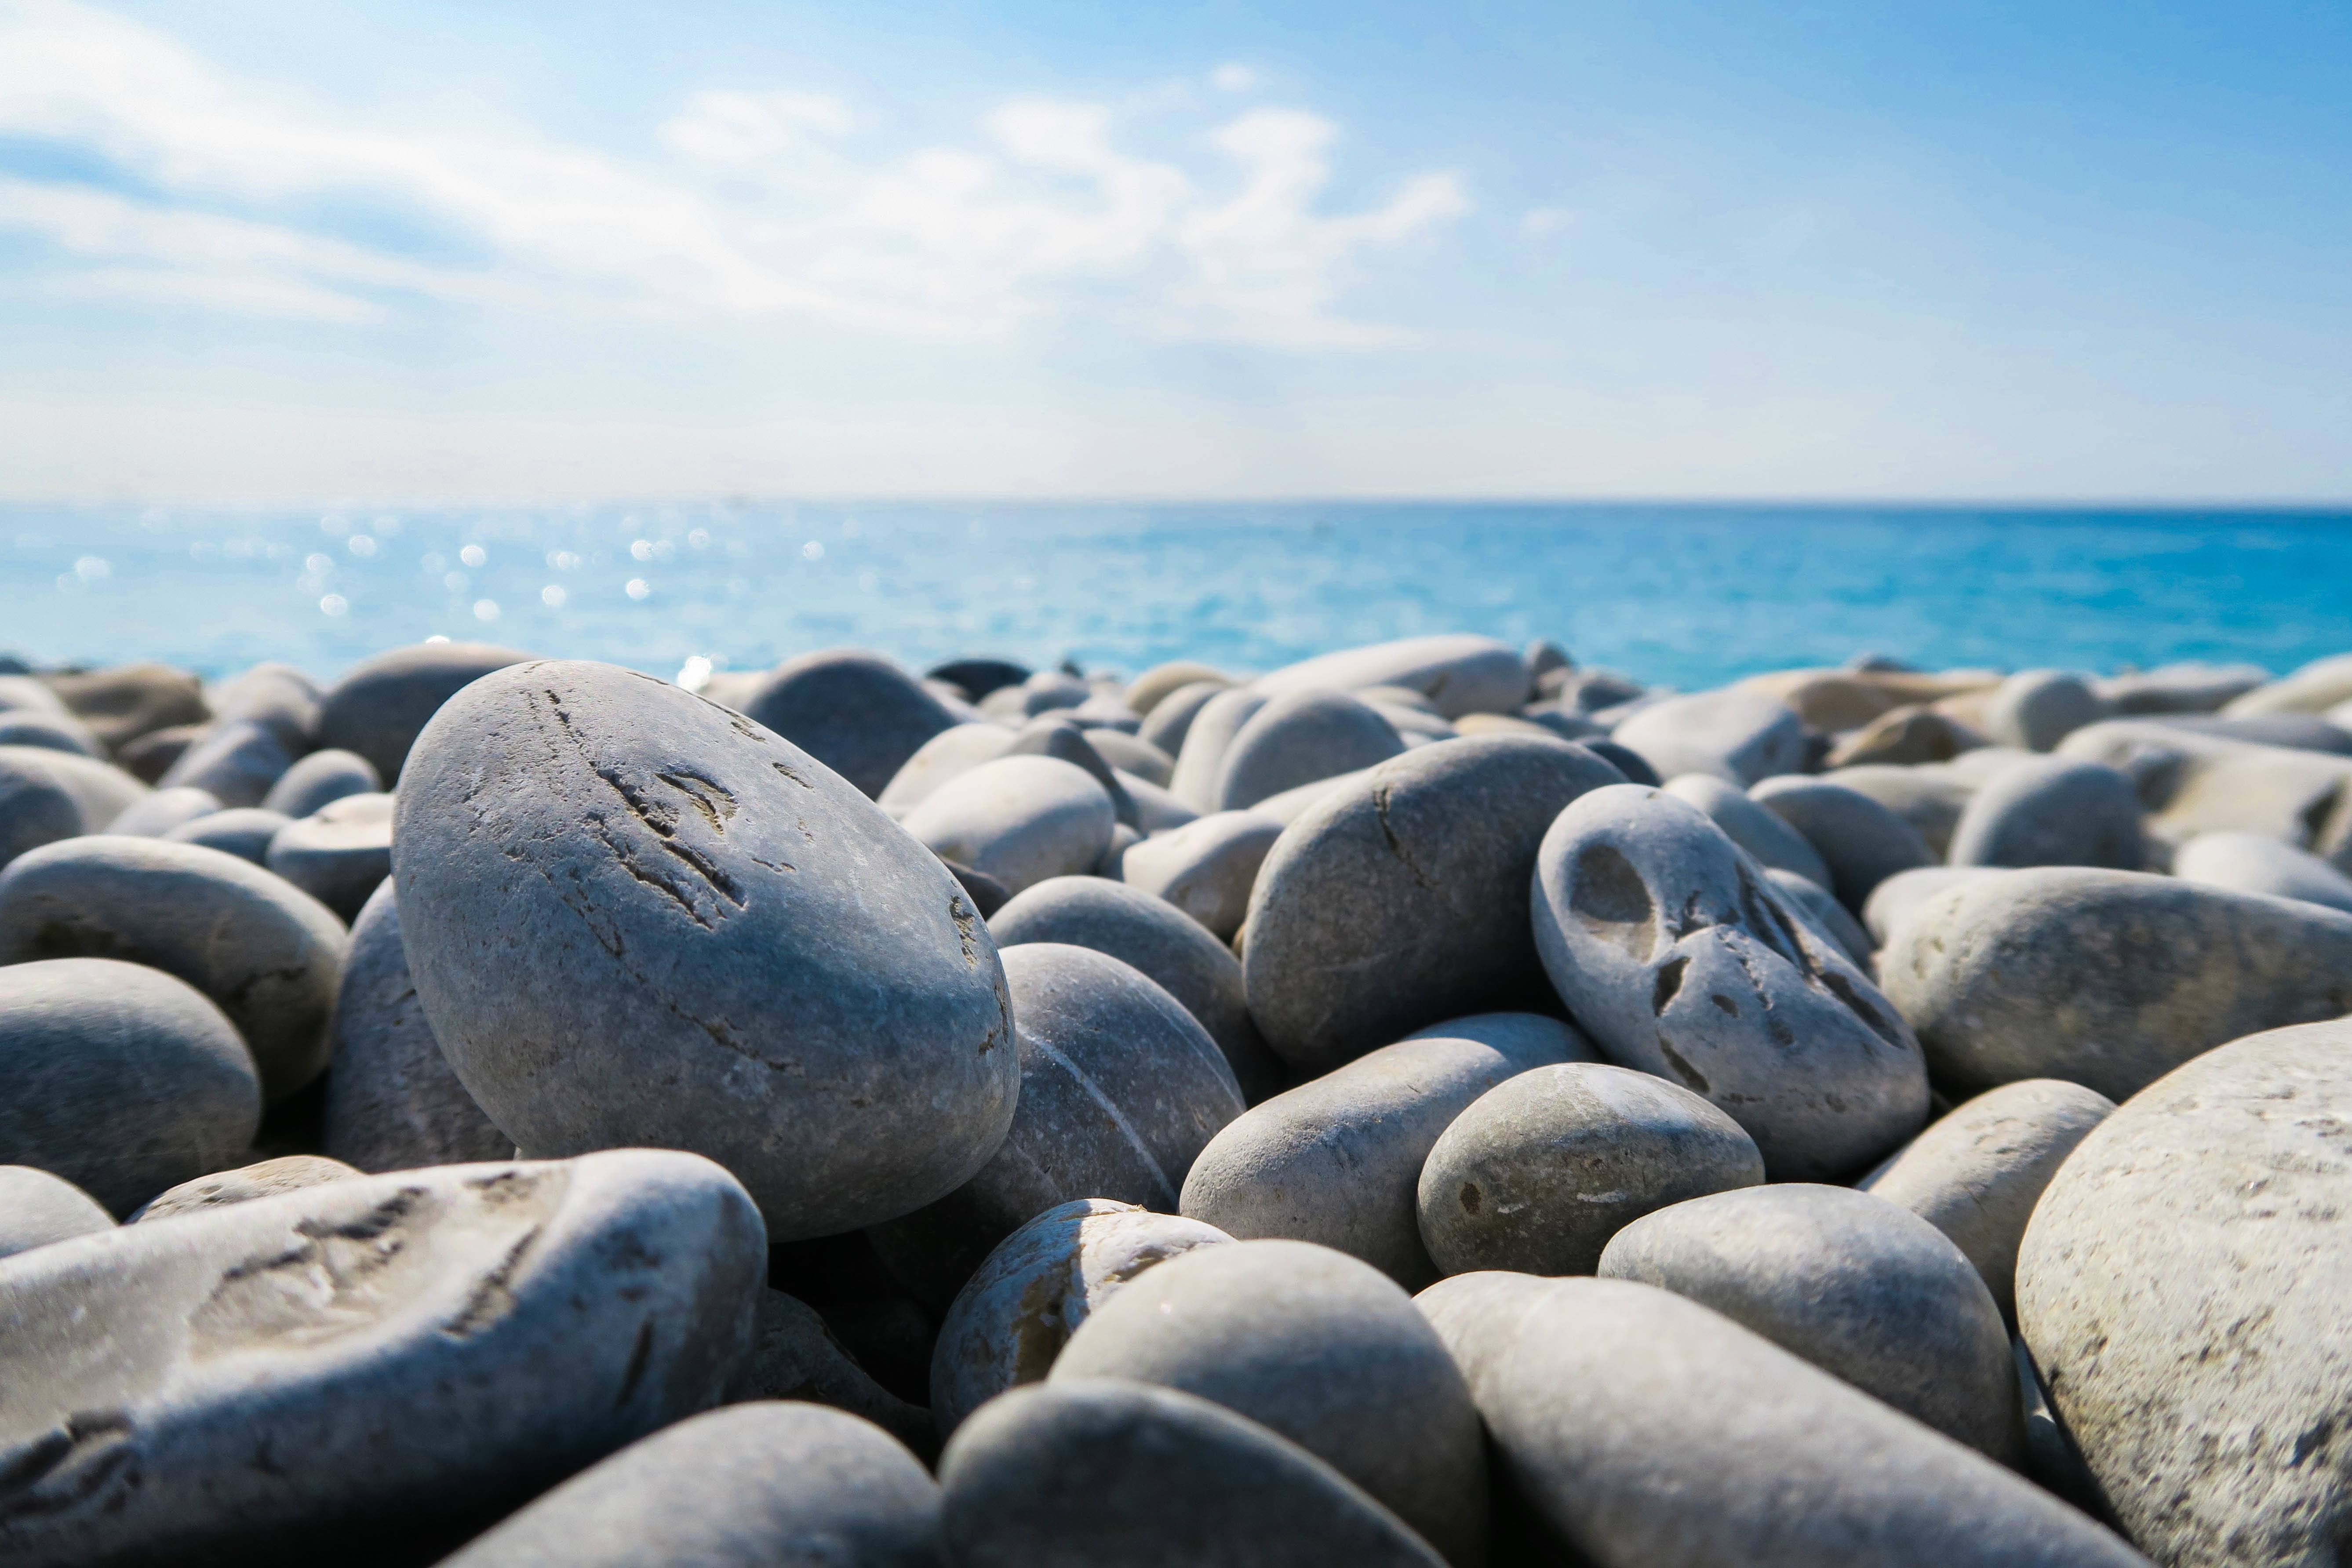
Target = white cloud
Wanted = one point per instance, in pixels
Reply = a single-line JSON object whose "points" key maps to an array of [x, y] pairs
{"points": [[1546, 220], [1232, 77], [1038, 214]]}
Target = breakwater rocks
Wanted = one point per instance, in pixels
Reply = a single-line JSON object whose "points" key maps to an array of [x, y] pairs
{"points": [[497, 1109]]}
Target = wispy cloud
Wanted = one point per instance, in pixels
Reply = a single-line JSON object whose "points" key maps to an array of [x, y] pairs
{"points": [[751, 204]]}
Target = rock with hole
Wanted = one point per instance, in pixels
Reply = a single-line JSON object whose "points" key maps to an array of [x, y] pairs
{"points": [[1682, 960]]}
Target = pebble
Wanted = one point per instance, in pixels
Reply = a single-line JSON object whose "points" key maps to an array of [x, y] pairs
{"points": [[287, 1173], [166, 810], [1539, 1171], [130, 700], [2193, 784], [1646, 1429], [151, 756], [38, 1207], [37, 808], [1147, 691], [50, 731], [382, 704], [605, 880], [1158, 940], [953, 752], [393, 1101], [1830, 919], [1170, 719], [794, 1355], [187, 1391], [268, 955], [1293, 803], [1741, 737], [1905, 736], [1119, 1089], [769, 1482], [104, 791], [2053, 811], [1977, 1171], [1138, 759], [1400, 900], [2314, 688], [1859, 1286], [237, 762], [339, 855], [1205, 868], [1058, 735], [1456, 672], [2036, 709], [1892, 901], [976, 678], [1862, 842], [2182, 1286], [1200, 760], [856, 713], [1682, 961], [320, 779], [2188, 687], [2295, 732], [279, 697], [1104, 1471], [1018, 820], [1336, 1160], [1295, 739], [2251, 863], [1015, 1314], [1749, 824], [1317, 1347], [246, 832], [2108, 979]]}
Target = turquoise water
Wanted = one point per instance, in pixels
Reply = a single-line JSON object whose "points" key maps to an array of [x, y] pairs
{"points": [[1686, 595]]}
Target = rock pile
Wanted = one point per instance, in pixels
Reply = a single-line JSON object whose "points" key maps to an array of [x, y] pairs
{"points": [[505, 1110]]}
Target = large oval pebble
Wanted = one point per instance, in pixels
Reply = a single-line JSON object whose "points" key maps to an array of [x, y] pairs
{"points": [[856, 713], [636, 918], [1018, 820], [381, 704]]}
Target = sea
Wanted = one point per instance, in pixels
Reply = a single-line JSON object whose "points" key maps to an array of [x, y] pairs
{"points": [[1686, 596]]}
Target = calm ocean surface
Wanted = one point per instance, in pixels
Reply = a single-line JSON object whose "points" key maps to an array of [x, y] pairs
{"points": [[1684, 595]]}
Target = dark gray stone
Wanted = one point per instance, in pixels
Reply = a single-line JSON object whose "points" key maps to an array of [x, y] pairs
{"points": [[1682, 960], [2036, 709], [978, 676], [1738, 736], [2053, 811], [269, 955], [1543, 1169], [1320, 1348], [1015, 1314], [381, 704], [1336, 1160], [340, 855], [1158, 939], [320, 779], [792, 1485], [856, 713], [1295, 739], [1098, 1471], [393, 1101], [165, 811], [1458, 672], [1862, 842], [38, 1207], [1858, 1286], [48, 731], [379, 1362], [1119, 1089], [1399, 899], [605, 880], [286, 1174], [2182, 1286], [1018, 820], [1200, 759], [246, 832], [794, 1355], [2108, 979], [1976, 1172], [122, 1080], [1049, 690], [1205, 868], [1644, 1429], [239, 761]]}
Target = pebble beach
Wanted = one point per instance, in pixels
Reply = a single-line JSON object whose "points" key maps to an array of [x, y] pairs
{"points": [[1442, 1098]]}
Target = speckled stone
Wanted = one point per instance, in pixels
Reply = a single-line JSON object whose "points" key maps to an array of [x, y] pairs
{"points": [[287, 1173]]}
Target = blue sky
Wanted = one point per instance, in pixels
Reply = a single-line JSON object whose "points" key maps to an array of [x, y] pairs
{"points": [[257, 249]]}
